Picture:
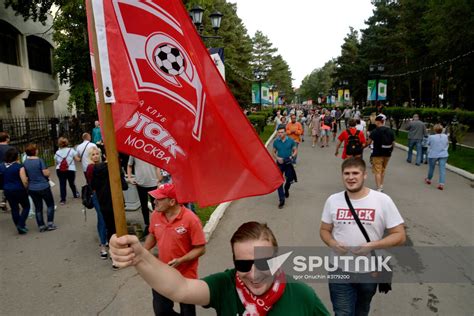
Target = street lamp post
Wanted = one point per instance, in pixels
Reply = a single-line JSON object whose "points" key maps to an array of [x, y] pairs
{"points": [[196, 14]]}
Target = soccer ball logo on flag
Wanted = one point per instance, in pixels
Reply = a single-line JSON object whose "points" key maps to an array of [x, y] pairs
{"points": [[169, 59]]}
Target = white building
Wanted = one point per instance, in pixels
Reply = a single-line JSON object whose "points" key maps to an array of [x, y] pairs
{"points": [[28, 87]]}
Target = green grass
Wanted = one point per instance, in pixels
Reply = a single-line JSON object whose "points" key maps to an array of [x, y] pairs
{"points": [[267, 132], [462, 157], [205, 212]]}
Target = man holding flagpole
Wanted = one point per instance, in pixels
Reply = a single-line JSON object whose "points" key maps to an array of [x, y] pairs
{"points": [[250, 288]]}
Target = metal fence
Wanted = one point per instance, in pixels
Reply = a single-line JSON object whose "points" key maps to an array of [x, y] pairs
{"points": [[45, 132]]}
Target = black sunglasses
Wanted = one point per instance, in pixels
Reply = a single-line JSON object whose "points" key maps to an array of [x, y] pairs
{"points": [[246, 265]]}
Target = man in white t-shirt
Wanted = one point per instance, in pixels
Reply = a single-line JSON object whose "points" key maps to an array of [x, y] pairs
{"points": [[378, 214], [83, 150], [361, 125]]}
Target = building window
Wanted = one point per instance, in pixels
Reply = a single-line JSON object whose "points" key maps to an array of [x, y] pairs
{"points": [[8, 44], [39, 54]]}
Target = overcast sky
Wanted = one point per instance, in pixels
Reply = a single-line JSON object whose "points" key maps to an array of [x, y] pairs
{"points": [[307, 33]]}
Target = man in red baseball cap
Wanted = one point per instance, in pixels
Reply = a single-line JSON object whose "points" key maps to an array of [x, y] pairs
{"points": [[178, 234]]}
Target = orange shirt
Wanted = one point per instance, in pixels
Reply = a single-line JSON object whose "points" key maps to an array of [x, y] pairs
{"points": [[294, 131], [176, 238]]}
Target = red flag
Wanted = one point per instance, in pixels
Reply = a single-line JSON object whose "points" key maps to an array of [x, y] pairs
{"points": [[171, 107]]}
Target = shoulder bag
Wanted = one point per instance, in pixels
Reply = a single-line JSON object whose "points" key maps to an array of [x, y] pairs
{"points": [[385, 275]]}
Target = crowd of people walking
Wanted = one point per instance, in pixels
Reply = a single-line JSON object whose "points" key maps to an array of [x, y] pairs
{"points": [[177, 232], [371, 133]]}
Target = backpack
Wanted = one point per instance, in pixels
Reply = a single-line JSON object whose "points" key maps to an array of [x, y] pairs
{"points": [[328, 120], [86, 194], [64, 165], [354, 147]]}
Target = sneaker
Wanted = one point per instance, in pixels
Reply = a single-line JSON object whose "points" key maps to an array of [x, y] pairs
{"points": [[287, 194], [103, 254], [62, 202], [43, 228], [380, 189], [52, 227], [77, 196], [441, 187], [114, 267], [282, 203], [22, 230], [427, 181]]}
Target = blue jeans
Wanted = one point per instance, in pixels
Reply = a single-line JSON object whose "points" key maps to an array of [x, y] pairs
{"points": [[351, 299], [415, 143], [101, 228], [442, 168], [38, 197], [15, 199], [163, 306]]}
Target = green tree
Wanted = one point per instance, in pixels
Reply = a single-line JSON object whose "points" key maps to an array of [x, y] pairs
{"points": [[71, 57], [275, 69], [318, 82], [280, 77], [349, 66], [262, 54]]}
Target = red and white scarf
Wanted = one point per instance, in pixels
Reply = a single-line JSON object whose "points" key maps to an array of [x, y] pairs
{"points": [[260, 305]]}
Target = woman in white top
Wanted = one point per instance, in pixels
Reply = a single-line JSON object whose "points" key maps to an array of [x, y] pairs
{"points": [[66, 168]]}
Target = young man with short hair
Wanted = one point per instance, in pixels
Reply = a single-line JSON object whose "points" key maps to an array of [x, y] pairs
{"points": [[178, 234], [339, 230], [284, 151]]}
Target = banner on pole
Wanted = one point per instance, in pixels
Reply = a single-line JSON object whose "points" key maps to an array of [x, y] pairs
{"points": [[340, 95], [255, 93], [371, 93], [382, 93], [172, 107], [217, 55], [347, 95]]}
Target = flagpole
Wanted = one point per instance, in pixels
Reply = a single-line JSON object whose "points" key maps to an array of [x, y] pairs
{"points": [[110, 143]]}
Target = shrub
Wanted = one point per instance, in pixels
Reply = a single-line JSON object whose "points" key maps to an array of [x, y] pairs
{"points": [[428, 115], [258, 121]]}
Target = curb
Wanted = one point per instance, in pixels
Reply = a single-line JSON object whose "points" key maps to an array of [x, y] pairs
{"points": [[461, 172], [218, 213]]}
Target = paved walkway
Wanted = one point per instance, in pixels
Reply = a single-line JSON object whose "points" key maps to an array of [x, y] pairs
{"points": [[59, 272]]}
